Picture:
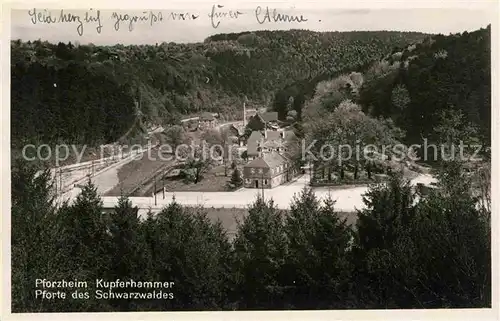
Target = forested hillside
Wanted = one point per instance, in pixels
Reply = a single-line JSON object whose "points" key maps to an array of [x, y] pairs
{"points": [[444, 76], [88, 94], [432, 89]]}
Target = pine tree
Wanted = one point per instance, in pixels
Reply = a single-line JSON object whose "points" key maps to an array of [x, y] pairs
{"points": [[128, 245], [236, 179], [148, 229], [382, 228], [433, 254], [32, 228], [193, 253], [83, 248], [318, 264], [260, 251], [454, 250]]}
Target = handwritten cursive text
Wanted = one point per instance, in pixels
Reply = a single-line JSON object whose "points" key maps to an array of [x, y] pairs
{"points": [[147, 16], [46, 17], [182, 16], [263, 17], [216, 16]]}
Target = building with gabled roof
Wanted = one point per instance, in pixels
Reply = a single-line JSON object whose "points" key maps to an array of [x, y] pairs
{"points": [[267, 120], [268, 140], [253, 143], [269, 163], [268, 170]]}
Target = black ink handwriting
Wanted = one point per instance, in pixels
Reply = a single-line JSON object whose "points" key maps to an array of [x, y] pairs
{"points": [[46, 17], [276, 16], [183, 16], [147, 16], [94, 18], [215, 16]]}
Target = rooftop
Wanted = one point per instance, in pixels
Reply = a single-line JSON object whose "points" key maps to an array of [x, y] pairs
{"points": [[268, 160], [253, 143], [270, 116], [273, 140], [239, 127], [273, 135], [273, 144]]}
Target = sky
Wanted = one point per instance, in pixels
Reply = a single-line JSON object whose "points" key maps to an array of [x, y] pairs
{"points": [[25, 26]]}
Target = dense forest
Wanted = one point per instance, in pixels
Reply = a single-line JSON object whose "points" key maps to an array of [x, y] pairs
{"points": [[86, 94], [441, 81], [400, 254]]}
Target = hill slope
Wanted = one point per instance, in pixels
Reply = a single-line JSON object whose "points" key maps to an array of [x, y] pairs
{"points": [[88, 94], [441, 81]]}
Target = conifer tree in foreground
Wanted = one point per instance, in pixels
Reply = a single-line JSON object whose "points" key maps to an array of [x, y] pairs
{"points": [[83, 247], [260, 250], [193, 253], [318, 263], [380, 266], [32, 231], [434, 254], [128, 247], [454, 249]]}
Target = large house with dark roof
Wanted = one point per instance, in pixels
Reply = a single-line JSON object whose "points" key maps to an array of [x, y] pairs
{"points": [[268, 170], [267, 120], [268, 164]]}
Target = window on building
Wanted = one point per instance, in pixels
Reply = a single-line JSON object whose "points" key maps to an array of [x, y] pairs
{"points": [[261, 171], [252, 171], [265, 182]]}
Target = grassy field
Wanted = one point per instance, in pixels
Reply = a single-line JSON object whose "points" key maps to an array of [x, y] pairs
{"points": [[213, 181]]}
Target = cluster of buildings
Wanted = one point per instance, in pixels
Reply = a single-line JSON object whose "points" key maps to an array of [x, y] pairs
{"points": [[269, 161], [268, 153]]}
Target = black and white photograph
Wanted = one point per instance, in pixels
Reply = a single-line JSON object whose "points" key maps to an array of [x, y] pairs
{"points": [[250, 157]]}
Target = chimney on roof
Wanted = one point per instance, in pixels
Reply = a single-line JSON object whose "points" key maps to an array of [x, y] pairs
{"points": [[259, 147], [265, 133], [244, 113], [282, 134]]}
